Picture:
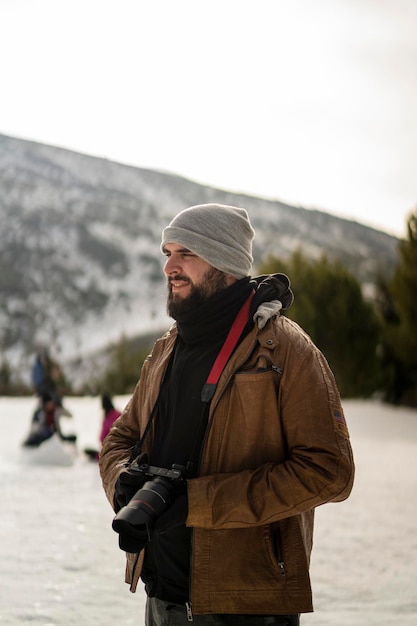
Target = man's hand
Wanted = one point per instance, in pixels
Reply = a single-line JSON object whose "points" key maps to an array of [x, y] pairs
{"points": [[127, 484]]}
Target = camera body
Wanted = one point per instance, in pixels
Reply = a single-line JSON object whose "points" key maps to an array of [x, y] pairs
{"points": [[159, 488], [176, 473]]}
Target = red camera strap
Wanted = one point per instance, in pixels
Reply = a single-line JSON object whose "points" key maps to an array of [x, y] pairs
{"points": [[209, 386], [229, 345]]}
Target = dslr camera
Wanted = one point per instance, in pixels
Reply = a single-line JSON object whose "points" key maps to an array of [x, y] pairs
{"points": [[160, 487]]}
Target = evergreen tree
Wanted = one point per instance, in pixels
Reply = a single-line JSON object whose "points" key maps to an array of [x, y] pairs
{"points": [[397, 304], [329, 306], [124, 367]]}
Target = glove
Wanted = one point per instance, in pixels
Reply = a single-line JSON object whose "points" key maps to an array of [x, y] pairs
{"points": [[127, 484], [135, 539], [142, 518], [272, 287]]}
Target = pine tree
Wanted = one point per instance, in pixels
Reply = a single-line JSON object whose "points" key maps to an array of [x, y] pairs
{"points": [[123, 370], [398, 308], [329, 306]]}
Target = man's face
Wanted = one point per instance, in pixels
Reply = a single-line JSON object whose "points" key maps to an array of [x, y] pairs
{"points": [[191, 280]]}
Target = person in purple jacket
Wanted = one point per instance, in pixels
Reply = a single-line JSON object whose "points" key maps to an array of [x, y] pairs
{"points": [[110, 415]]}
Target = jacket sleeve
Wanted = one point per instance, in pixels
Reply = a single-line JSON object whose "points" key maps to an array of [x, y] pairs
{"points": [[118, 445], [127, 430], [317, 466]]}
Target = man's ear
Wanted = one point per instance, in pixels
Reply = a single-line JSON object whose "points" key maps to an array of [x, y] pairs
{"points": [[230, 279]]}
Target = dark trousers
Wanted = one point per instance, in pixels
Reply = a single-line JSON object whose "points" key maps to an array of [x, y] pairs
{"points": [[159, 613]]}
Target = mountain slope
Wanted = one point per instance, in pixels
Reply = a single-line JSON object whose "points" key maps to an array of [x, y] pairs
{"points": [[79, 240]]}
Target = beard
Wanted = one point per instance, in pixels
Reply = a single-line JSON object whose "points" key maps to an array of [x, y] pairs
{"points": [[212, 282]]}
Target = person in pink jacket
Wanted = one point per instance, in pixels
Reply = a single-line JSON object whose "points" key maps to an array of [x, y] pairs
{"points": [[110, 415]]}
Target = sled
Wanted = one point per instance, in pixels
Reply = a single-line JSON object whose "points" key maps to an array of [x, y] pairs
{"points": [[51, 451]]}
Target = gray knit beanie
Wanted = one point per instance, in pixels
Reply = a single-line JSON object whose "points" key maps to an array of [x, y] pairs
{"points": [[221, 235]]}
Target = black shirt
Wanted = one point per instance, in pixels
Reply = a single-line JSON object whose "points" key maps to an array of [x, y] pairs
{"points": [[180, 427]]}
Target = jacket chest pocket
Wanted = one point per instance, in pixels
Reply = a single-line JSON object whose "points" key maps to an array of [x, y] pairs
{"points": [[246, 429]]}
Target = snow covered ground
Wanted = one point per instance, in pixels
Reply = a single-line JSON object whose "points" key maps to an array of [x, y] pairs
{"points": [[60, 562]]}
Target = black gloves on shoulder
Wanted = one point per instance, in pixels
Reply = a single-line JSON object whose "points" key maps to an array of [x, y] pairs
{"points": [[272, 287]]}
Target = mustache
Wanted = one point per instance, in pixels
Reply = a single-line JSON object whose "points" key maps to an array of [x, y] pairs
{"points": [[172, 279]]}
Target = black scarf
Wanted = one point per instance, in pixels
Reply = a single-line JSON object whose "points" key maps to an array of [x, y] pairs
{"points": [[181, 413], [211, 321]]}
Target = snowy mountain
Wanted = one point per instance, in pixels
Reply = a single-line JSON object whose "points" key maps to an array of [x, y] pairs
{"points": [[80, 263]]}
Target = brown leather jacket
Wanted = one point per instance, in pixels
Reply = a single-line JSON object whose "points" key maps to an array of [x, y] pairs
{"points": [[277, 446]]}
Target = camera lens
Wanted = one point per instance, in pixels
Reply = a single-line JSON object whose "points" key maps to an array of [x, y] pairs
{"points": [[145, 506]]}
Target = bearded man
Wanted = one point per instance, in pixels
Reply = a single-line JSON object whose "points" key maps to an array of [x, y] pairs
{"points": [[234, 434]]}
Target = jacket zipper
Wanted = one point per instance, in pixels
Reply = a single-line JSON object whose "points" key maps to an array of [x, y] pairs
{"points": [[280, 550], [189, 612], [188, 605]]}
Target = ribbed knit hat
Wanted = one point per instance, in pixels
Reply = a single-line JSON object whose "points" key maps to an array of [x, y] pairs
{"points": [[221, 235]]}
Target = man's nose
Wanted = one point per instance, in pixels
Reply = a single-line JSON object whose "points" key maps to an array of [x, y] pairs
{"points": [[171, 266]]}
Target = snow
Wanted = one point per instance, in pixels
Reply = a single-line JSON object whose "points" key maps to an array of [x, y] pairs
{"points": [[61, 565]]}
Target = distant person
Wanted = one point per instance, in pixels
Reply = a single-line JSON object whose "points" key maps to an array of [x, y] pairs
{"points": [[46, 421], [233, 436], [110, 415], [46, 375]]}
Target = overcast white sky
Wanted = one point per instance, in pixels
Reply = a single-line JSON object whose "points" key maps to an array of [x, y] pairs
{"points": [[312, 102]]}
